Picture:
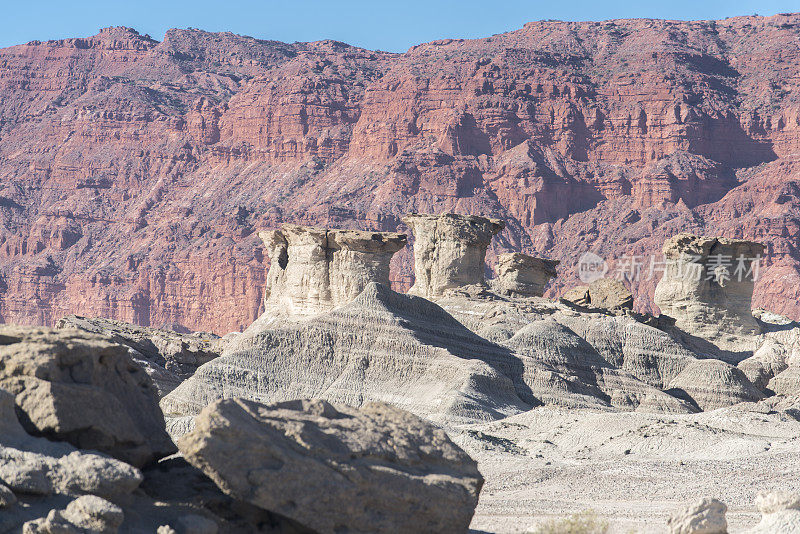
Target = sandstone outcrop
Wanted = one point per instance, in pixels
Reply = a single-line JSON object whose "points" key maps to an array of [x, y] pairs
{"points": [[85, 515], [77, 387], [516, 356], [166, 356], [449, 251], [336, 468], [522, 275], [314, 270], [706, 516], [604, 294], [707, 287]]}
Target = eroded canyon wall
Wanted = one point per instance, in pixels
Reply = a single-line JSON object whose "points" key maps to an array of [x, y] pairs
{"points": [[135, 174]]}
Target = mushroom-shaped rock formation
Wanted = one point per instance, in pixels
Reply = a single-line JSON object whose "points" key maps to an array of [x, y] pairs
{"points": [[522, 275], [314, 270], [603, 294], [707, 286], [449, 251]]}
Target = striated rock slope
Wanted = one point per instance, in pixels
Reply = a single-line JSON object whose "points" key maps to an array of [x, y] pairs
{"points": [[134, 173]]}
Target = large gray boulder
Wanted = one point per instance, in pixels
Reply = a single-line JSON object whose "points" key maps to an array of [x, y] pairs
{"points": [[77, 387], [36, 466], [336, 468]]}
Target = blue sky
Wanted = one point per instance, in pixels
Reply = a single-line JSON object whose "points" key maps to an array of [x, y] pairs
{"points": [[376, 24]]}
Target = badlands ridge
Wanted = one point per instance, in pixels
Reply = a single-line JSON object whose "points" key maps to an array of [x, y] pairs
{"points": [[465, 403]]}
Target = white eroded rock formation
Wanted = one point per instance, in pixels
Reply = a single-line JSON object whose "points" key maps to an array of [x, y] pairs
{"points": [[521, 275], [313, 270], [449, 251], [707, 287]]}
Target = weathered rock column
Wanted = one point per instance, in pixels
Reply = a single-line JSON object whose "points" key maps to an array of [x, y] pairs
{"points": [[522, 275], [707, 286], [315, 269], [449, 250], [359, 258]]}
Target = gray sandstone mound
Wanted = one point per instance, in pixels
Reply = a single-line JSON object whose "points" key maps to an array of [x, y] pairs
{"points": [[520, 275], [313, 270], [645, 352], [707, 287], [449, 251], [167, 357], [335, 468], [588, 374], [712, 384], [383, 346], [766, 364], [603, 294], [77, 387]]}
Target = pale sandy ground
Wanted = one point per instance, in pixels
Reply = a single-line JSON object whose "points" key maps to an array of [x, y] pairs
{"points": [[633, 469]]}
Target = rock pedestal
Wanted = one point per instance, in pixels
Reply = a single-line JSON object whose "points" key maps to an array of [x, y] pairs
{"points": [[449, 251], [522, 275], [314, 270], [707, 286]]}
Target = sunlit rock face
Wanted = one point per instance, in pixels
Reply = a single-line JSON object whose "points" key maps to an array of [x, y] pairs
{"points": [[314, 270], [449, 251], [707, 286]]}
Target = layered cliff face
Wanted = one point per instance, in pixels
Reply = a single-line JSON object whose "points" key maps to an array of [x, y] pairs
{"points": [[135, 173]]}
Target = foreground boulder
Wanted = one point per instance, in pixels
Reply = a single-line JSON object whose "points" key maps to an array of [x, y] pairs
{"points": [[77, 387], [35, 467], [780, 512], [87, 514], [336, 468], [449, 251]]}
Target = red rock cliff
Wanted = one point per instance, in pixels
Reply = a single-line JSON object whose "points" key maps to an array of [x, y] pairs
{"points": [[134, 173]]}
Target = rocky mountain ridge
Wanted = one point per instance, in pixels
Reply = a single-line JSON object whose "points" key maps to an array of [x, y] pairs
{"points": [[135, 174]]}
